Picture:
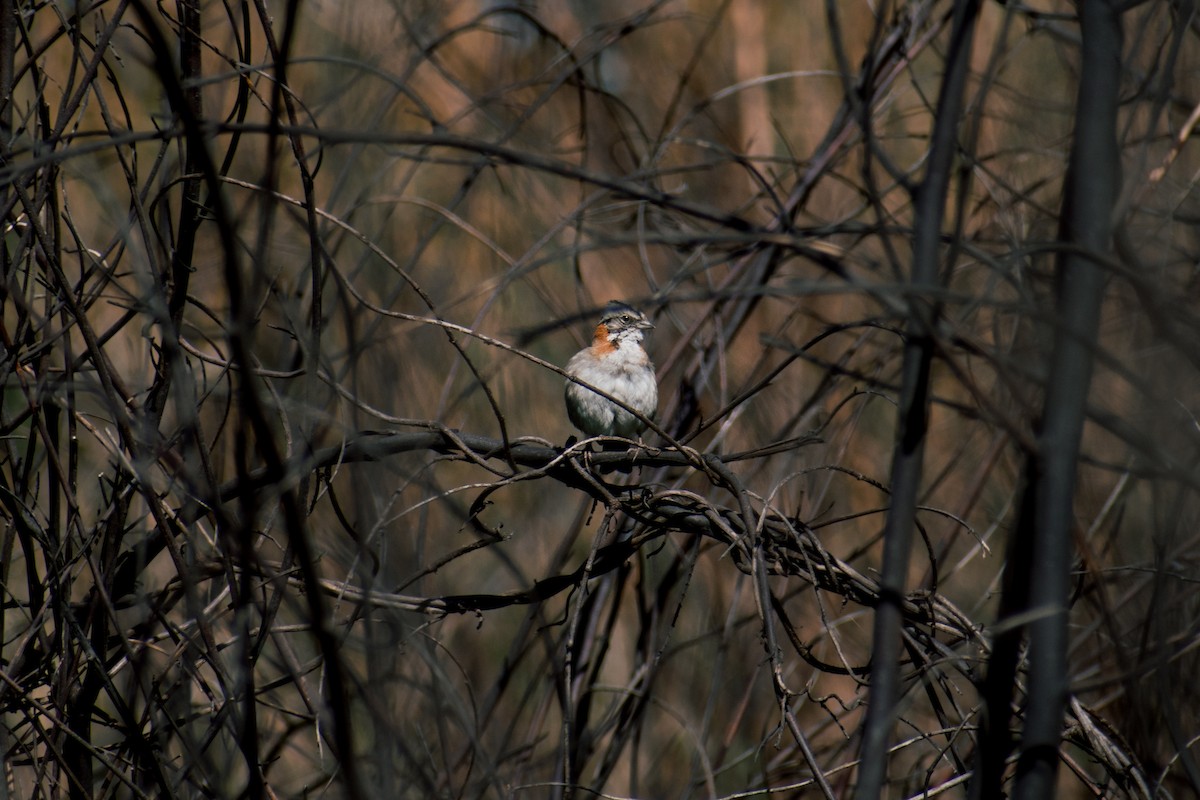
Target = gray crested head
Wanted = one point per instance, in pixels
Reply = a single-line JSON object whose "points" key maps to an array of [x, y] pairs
{"points": [[620, 317]]}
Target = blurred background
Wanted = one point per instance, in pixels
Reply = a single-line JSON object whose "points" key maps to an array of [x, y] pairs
{"points": [[275, 274]]}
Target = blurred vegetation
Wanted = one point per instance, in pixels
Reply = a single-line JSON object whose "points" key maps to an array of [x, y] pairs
{"points": [[286, 505]]}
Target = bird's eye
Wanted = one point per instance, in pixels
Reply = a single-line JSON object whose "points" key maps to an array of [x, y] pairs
{"points": [[626, 318]]}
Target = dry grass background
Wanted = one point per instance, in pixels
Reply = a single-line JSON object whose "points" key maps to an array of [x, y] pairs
{"points": [[283, 288]]}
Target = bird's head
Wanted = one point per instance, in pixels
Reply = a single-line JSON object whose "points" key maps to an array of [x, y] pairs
{"points": [[624, 323]]}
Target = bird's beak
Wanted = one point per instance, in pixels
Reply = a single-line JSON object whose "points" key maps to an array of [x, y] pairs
{"points": [[645, 324]]}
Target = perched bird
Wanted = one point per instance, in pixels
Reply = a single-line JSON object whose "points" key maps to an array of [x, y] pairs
{"points": [[615, 363]]}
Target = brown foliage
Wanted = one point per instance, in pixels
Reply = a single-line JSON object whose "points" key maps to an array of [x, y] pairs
{"points": [[286, 506]]}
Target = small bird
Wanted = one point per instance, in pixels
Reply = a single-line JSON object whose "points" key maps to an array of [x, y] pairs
{"points": [[615, 363]]}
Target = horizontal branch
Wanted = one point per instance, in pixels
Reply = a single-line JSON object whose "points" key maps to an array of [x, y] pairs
{"points": [[789, 547]]}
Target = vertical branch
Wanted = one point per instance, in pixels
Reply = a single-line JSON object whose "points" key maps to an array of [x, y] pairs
{"points": [[179, 277], [908, 453], [995, 738], [8, 55], [1086, 225], [1038, 570]]}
